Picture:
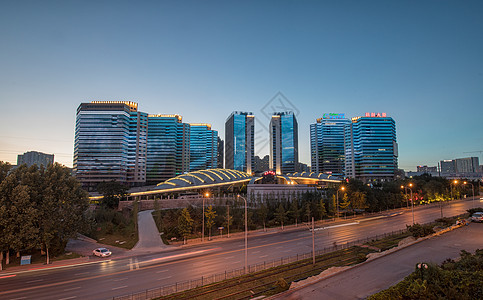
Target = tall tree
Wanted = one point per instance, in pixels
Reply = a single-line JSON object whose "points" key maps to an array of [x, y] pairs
{"points": [[322, 210], [308, 211], [185, 224], [295, 211], [113, 192], [345, 203], [210, 215], [263, 212], [281, 214]]}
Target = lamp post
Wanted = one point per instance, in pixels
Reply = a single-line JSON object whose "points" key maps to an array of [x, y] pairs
{"points": [[473, 191], [412, 200], [405, 194], [203, 218], [246, 233], [337, 204]]}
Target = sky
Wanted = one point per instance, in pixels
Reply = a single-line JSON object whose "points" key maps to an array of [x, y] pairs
{"points": [[420, 62]]}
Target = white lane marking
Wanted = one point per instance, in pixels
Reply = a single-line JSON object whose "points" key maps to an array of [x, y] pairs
{"points": [[136, 262], [255, 252], [119, 287], [162, 271], [82, 273], [71, 289], [262, 256], [120, 279], [37, 280], [130, 264], [68, 298], [334, 226], [167, 277], [19, 298]]}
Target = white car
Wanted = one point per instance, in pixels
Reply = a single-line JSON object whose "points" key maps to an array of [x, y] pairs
{"points": [[477, 217], [101, 252]]}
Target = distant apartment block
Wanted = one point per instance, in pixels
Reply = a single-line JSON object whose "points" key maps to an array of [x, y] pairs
{"points": [[468, 167], [284, 155], [35, 158], [426, 169], [240, 141]]}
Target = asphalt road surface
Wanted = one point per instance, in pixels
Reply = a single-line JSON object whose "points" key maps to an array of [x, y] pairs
{"points": [[367, 279], [103, 279]]}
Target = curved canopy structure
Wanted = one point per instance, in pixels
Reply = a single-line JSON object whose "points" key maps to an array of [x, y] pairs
{"points": [[204, 178], [314, 176]]}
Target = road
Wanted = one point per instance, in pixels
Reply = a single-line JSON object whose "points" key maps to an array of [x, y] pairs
{"points": [[120, 276], [388, 270]]}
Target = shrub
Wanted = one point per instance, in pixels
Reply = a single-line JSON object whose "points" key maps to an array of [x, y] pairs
{"points": [[418, 230]]}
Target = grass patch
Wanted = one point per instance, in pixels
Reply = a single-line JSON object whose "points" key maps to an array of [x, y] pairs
{"points": [[38, 258], [126, 237], [388, 242]]}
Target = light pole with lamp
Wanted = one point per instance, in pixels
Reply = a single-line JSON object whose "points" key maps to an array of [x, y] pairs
{"points": [[473, 190], [337, 204], [203, 218], [246, 233], [412, 200]]}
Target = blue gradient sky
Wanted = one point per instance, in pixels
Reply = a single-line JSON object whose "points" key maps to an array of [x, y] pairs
{"points": [[421, 62]]}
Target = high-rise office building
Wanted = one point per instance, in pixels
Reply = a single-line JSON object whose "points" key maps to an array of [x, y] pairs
{"points": [[240, 141], [448, 166], [168, 148], [109, 143], [35, 158], [371, 148], [460, 165], [203, 147], [283, 143], [327, 144], [221, 151]]}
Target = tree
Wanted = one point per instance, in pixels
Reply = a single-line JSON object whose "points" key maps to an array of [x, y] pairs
{"points": [[333, 205], [210, 215], [113, 192], [345, 202], [185, 224], [281, 214], [308, 211], [263, 212], [322, 210], [295, 211], [359, 200]]}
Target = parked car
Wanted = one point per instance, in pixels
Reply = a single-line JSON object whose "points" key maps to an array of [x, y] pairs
{"points": [[477, 217], [101, 252]]}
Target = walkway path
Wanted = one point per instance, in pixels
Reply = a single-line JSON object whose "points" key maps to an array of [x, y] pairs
{"points": [[149, 238], [379, 274]]}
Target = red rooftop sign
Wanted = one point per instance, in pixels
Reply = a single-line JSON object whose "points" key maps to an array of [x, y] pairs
{"points": [[376, 115]]}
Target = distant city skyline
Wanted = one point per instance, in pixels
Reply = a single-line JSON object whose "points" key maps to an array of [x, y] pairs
{"points": [[419, 62]]}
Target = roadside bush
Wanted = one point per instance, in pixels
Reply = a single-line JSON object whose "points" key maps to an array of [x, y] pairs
{"points": [[473, 210], [418, 230]]}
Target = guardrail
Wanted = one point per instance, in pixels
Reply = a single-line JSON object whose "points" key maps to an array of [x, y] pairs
{"points": [[204, 280]]}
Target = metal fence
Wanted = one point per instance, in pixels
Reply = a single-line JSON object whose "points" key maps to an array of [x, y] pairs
{"points": [[204, 280]]}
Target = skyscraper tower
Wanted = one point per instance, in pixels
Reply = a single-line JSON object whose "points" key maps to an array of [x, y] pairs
{"points": [[371, 148], [283, 143], [110, 143], [203, 147], [327, 144], [168, 150], [240, 141]]}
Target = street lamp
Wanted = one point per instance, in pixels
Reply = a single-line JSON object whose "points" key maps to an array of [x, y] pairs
{"points": [[405, 194], [473, 190], [246, 233], [337, 205], [412, 200], [203, 218]]}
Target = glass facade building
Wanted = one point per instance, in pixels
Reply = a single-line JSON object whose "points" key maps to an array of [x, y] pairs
{"points": [[108, 134], [240, 142], [283, 143], [327, 144], [168, 150], [371, 148], [203, 147]]}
